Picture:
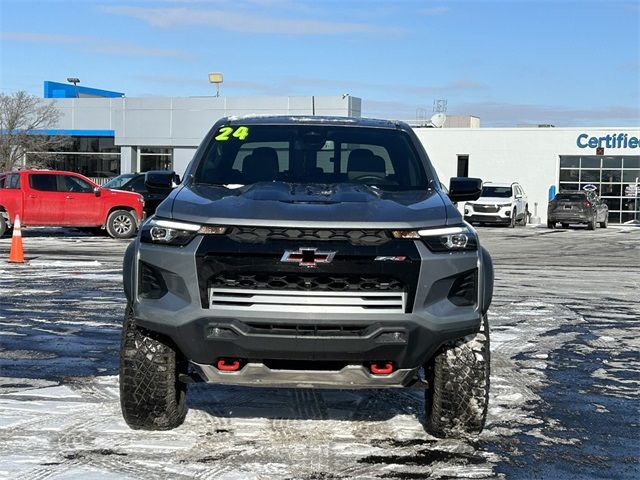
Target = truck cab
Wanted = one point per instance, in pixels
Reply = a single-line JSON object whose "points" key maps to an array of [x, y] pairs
{"points": [[66, 199]]}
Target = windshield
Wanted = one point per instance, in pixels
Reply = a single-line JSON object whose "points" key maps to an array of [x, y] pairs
{"points": [[500, 192], [118, 181], [312, 154]]}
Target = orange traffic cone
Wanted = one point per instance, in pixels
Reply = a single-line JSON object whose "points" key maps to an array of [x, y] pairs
{"points": [[16, 255]]}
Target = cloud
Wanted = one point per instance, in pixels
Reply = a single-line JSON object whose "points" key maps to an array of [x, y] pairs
{"points": [[451, 87], [510, 114], [94, 44], [504, 114], [245, 21]]}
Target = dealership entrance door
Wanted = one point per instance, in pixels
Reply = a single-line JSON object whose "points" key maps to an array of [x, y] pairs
{"points": [[615, 178]]}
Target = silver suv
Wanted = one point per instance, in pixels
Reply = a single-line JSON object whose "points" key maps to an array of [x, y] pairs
{"points": [[313, 252], [502, 203]]}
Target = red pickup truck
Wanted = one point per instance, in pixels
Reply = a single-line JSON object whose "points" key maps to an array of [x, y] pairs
{"points": [[66, 199]]}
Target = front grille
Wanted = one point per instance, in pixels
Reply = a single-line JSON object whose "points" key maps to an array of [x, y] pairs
{"points": [[307, 282], [486, 208], [311, 330], [307, 301], [265, 234]]}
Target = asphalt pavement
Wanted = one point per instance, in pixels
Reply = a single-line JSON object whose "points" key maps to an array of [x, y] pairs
{"points": [[564, 403]]}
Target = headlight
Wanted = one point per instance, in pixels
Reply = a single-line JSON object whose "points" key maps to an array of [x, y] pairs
{"points": [[447, 239], [170, 232]]}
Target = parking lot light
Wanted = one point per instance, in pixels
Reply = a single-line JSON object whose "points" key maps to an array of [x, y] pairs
{"points": [[216, 77]]}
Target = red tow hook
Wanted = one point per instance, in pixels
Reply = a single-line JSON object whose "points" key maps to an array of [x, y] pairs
{"points": [[228, 364], [382, 368]]}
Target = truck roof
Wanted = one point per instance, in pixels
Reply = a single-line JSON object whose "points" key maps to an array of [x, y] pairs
{"points": [[312, 120]]}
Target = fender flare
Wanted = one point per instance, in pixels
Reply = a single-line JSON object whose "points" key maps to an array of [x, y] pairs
{"points": [[128, 270], [487, 280]]}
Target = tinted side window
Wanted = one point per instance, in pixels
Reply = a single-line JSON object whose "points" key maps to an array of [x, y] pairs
{"points": [[13, 181], [75, 184], [137, 185], [43, 182]]}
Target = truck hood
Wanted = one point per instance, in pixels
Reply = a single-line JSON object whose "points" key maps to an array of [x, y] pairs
{"points": [[491, 201], [112, 192], [304, 205]]}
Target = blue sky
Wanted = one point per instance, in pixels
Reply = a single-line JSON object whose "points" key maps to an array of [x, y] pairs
{"points": [[569, 63]]}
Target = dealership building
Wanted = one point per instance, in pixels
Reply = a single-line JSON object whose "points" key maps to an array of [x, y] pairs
{"points": [[112, 134]]}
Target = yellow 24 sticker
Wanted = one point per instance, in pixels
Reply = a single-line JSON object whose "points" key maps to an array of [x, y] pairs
{"points": [[225, 132]]}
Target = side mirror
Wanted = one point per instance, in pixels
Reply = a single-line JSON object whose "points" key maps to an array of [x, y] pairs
{"points": [[464, 189], [97, 191], [518, 196], [159, 180]]}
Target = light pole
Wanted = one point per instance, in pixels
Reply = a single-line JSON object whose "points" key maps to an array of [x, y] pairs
{"points": [[216, 77], [75, 82]]}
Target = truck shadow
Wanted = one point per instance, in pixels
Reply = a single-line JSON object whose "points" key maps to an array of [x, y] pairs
{"points": [[372, 405]]}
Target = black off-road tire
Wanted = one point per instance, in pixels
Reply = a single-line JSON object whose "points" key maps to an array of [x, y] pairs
{"points": [[3, 226], [121, 224], [151, 396], [458, 395]]}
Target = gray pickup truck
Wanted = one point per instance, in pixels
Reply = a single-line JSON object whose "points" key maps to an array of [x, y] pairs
{"points": [[314, 252]]}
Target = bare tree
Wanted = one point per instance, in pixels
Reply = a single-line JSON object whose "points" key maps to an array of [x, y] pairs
{"points": [[22, 118]]}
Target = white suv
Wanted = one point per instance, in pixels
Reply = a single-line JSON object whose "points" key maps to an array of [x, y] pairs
{"points": [[504, 203]]}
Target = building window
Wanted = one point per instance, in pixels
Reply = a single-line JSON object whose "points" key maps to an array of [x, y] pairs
{"points": [[463, 165], [95, 157], [613, 176], [155, 158]]}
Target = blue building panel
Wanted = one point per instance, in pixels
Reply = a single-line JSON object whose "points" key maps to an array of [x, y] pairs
{"points": [[67, 90]]}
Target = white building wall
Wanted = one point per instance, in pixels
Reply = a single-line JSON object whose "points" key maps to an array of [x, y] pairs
{"points": [[184, 121], [529, 156]]}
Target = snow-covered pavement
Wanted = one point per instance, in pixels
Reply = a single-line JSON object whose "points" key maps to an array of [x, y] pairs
{"points": [[565, 399]]}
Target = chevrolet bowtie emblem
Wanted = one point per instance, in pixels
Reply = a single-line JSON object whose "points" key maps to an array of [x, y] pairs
{"points": [[307, 257]]}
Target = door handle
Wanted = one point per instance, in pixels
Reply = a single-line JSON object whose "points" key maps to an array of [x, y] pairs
{"points": [[69, 197], [33, 196]]}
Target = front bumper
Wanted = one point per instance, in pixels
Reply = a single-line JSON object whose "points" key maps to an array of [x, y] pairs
{"points": [[350, 376], [289, 335], [487, 218], [569, 217]]}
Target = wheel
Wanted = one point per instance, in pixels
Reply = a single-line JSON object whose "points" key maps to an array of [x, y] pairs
{"points": [[551, 224], [592, 223], [512, 220], [3, 226], [458, 395], [121, 224], [565, 225], [605, 224], [151, 397], [525, 217]]}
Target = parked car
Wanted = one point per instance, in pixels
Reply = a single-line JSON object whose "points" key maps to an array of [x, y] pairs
{"points": [[335, 260], [67, 199], [135, 182], [503, 203], [577, 207]]}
